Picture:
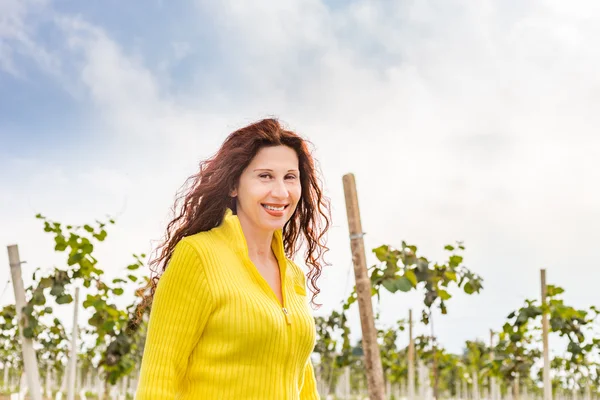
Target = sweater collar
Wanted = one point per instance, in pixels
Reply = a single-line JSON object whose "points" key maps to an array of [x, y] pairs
{"points": [[232, 229]]}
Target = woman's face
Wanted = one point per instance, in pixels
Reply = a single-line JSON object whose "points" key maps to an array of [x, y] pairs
{"points": [[269, 188]]}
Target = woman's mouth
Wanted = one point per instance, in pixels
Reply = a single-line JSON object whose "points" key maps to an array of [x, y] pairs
{"points": [[275, 210]]}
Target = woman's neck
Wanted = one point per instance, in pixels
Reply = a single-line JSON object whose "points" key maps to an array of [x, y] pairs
{"points": [[258, 241]]}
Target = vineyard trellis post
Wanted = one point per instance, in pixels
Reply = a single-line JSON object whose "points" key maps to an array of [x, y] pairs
{"points": [[493, 386], [546, 375], [475, 387], [71, 385], [411, 358], [29, 357], [48, 381], [374, 369]]}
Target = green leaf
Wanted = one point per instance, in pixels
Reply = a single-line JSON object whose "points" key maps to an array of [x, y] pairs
{"points": [[450, 275], [410, 275], [118, 291], [45, 282], [444, 295], [133, 267], [449, 247], [38, 298], [132, 278], [390, 285], [74, 259], [112, 311], [574, 348], [57, 289], [88, 228], [381, 252], [469, 288], [28, 332], [64, 299], [515, 337], [552, 290], [403, 284], [108, 326], [101, 236], [87, 248], [455, 260], [96, 320]]}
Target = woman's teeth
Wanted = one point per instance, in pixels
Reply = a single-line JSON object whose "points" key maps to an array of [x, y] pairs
{"points": [[273, 208]]}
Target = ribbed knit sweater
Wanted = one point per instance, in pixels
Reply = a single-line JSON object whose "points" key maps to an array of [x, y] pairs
{"points": [[218, 331]]}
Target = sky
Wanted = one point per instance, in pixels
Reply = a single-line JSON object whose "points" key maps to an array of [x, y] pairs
{"points": [[461, 120]]}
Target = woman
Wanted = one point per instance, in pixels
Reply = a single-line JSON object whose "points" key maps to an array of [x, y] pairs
{"points": [[229, 316]]}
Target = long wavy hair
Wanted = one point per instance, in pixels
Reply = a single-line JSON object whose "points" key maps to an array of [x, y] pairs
{"points": [[202, 202]]}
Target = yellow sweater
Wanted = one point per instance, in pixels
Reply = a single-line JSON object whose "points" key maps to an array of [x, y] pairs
{"points": [[217, 330]]}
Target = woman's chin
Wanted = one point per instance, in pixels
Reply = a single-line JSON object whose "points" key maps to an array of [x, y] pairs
{"points": [[274, 225]]}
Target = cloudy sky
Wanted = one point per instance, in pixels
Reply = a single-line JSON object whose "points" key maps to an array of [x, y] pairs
{"points": [[462, 120]]}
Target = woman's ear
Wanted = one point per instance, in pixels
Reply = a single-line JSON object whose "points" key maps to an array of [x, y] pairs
{"points": [[233, 193]]}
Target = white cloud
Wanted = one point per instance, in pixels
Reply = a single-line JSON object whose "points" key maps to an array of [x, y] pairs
{"points": [[461, 120], [181, 50], [18, 38]]}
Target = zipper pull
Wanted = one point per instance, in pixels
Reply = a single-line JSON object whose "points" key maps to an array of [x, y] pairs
{"points": [[287, 317]]}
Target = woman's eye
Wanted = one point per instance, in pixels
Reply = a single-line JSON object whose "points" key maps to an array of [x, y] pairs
{"points": [[264, 175], [291, 176]]}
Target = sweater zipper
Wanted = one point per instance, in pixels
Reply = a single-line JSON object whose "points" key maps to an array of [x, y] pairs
{"points": [[287, 316], [286, 312]]}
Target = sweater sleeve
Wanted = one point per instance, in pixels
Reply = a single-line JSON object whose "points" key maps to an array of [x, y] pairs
{"points": [[180, 309], [309, 388]]}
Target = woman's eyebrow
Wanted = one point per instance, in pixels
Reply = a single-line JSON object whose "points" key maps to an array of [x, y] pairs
{"points": [[270, 170]]}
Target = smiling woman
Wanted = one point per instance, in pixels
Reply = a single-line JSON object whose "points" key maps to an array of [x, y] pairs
{"points": [[229, 316]]}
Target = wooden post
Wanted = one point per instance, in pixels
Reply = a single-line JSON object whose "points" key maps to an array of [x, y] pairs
{"points": [[588, 389], [5, 381], [411, 358], [493, 395], [475, 377], [546, 375], [421, 376], [29, 357], [48, 381], [99, 389], [72, 377], [373, 366]]}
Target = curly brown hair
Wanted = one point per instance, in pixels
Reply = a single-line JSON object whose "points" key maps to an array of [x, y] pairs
{"points": [[202, 202]]}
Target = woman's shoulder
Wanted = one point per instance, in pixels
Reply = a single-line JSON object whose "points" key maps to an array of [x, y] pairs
{"points": [[202, 243], [295, 271]]}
